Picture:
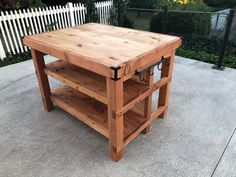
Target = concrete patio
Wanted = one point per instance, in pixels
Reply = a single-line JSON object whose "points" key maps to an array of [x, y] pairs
{"points": [[196, 139]]}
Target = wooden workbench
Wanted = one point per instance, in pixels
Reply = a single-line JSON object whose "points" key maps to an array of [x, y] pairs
{"points": [[108, 76]]}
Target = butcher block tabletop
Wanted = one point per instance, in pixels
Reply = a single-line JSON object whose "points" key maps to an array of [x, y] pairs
{"points": [[100, 47]]}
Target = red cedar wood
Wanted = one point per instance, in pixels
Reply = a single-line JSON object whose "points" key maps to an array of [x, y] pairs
{"points": [[115, 123], [44, 87], [112, 47], [164, 93], [148, 100], [90, 83], [97, 51]]}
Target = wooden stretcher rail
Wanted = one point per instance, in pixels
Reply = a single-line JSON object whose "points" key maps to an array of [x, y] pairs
{"points": [[163, 81], [154, 116]]}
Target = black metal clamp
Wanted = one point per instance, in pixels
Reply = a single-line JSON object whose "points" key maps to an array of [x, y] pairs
{"points": [[140, 73], [116, 69]]}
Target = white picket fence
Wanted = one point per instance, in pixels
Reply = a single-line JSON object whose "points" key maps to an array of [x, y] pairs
{"points": [[14, 25]]}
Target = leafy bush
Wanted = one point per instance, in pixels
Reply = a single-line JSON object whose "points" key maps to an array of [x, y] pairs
{"points": [[197, 55], [146, 4], [221, 3], [229, 60], [15, 58], [206, 49], [182, 23], [183, 5], [113, 15], [201, 43], [29, 3], [92, 14]]}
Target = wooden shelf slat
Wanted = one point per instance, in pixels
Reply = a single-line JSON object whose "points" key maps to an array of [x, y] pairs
{"points": [[83, 107], [90, 83], [93, 112], [80, 79]]}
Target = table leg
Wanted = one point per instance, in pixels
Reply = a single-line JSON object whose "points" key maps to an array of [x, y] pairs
{"points": [[44, 87], [115, 123], [164, 93], [148, 100]]}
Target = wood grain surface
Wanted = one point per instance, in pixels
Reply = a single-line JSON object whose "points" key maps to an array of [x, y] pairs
{"points": [[99, 47]]}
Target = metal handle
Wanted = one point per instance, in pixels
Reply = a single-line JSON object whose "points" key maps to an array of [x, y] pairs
{"points": [[163, 60]]}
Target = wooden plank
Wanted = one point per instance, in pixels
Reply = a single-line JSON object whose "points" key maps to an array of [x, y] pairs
{"points": [[90, 83], [92, 112], [126, 49], [80, 79], [164, 94], [42, 79], [41, 19], [115, 123], [23, 24], [32, 28], [84, 108], [61, 13], [71, 57], [18, 42], [35, 26], [148, 100], [142, 127], [127, 33], [7, 32], [4, 35], [154, 87]]}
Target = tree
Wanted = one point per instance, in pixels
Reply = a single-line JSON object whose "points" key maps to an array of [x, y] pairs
{"points": [[18, 4], [145, 4], [7, 4], [221, 3], [29, 3], [190, 5], [118, 14], [92, 14]]}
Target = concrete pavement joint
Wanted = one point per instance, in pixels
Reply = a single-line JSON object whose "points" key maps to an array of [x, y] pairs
{"points": [[223, 152]]}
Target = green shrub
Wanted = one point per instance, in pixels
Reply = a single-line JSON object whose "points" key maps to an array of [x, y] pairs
{"points": [[127, 22], [113, 15], [229, 60], [201, 43], [182, 23], [145, 4], [29, 4], [190, 5], [221, 3], [15, 58], [92, 14]]}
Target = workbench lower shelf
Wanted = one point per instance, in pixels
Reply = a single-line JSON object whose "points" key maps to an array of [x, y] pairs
{"points": [[93, 112], [90, 83]]}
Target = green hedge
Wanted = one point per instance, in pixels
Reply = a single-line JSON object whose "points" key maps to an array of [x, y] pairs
{"points": [[221, 3], [15, 58], [229, 60], [145, 4], [182, 23], [201, 43]]}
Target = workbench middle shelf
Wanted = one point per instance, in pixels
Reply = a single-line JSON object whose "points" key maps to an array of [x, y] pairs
{"points": [[90, 83]]}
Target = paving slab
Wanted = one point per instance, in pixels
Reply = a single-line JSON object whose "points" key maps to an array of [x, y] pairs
{"points": [[189, 142]]}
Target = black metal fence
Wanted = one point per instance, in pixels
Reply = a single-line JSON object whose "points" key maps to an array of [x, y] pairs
{"points": [[207, 36]]}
